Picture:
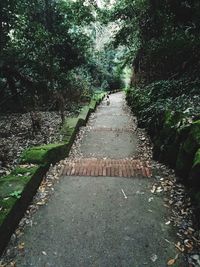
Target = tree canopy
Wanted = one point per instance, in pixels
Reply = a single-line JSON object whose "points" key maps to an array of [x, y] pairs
{"points": [[48, 46]]}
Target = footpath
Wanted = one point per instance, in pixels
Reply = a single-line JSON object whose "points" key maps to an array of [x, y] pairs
{"points": [[102, 213]]}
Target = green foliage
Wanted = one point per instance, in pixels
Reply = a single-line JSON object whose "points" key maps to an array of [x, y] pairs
{"points": [[16, 194], [79, 82], [162, 37], [169, 110], [151, 102], [44, 41]]}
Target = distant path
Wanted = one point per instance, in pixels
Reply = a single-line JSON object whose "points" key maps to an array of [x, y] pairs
{"points": [[101, 221]]}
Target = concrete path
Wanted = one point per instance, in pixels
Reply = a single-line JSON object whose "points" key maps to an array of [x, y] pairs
{"points": [[101, 221], [111, 135]]}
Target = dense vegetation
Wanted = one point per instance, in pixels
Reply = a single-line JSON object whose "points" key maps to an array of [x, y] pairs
{"points": [[47, 53]]}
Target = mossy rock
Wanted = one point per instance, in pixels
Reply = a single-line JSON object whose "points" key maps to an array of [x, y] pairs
{"points": [[12, 184], [11, 187], [70, 128], [27, 171], [16, 181], [43, 154], [6, 204], [93, 104], [98, 97], [188, 150], [84, 114]]}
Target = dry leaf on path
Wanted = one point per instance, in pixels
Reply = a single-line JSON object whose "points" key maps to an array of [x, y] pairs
{"points": [[153, 189], [171, 262], [21, 246], [154, 257]]}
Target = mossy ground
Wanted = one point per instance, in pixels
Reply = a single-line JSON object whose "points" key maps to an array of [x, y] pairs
{"points": [[6, 205], [11, 187]]}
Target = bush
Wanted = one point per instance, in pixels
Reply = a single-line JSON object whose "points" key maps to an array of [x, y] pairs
{"points": [[152, 101], [169, 110]]}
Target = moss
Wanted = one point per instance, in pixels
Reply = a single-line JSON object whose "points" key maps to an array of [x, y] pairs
{"points": [[6, 205], [84, 114], [49, 146], [24, 171], [16, 181], [70, 128], [11, 185], [40, 154], [33, 155], [57, 153], [98, 96], [93, 104]]}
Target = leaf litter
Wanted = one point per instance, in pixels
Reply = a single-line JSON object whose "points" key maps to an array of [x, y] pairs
{"points": [[182, 215]]}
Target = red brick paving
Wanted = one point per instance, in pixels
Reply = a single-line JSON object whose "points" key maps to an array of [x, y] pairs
{"points": [[107, 167]]}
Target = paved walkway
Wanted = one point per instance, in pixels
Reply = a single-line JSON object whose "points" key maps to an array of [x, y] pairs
{"points": [[101, 221]]}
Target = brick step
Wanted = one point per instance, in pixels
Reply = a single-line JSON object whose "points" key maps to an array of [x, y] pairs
{"points": [[106, 167]]}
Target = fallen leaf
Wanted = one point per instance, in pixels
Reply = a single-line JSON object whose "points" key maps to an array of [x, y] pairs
{"points": [[153, 189], [150, 199], [171, 262], [179, 247], [154, 257], [12, 264], [159, 189], [195, 257], [40, 203], [21, 246]]}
